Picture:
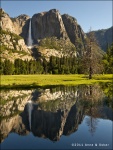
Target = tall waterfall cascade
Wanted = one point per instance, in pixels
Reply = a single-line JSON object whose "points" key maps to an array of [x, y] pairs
{"points": [[30, 40]]}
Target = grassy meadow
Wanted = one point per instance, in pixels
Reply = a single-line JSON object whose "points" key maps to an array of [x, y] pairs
{"points": [[11, 81]]}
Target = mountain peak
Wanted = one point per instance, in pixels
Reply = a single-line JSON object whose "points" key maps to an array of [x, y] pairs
{"points": [[3, 13], [53, 10], [1, 10], [23, 16], [69, 17]]}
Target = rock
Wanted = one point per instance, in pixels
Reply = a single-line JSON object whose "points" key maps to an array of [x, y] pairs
{"points": [[74, 31], [18, 25], [22, 46], [6, 22], [43, 26], [48, 24], [54, 47], [13, 47], [21, 24], [104, 37]]}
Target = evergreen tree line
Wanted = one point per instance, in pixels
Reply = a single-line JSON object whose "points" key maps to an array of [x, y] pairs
{"points": [[55, 65], [108, 60]]}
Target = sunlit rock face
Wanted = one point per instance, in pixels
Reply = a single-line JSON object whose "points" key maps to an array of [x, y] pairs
{"points": [[15, 48], [73, 29], [48, 24], [11, 43], [63, 30], [21, 24], [18, 25], [14, 32], [6, 22], [44, 24]]}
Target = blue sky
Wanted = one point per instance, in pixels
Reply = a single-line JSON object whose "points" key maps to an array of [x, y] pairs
{"points": [[94, 14]]}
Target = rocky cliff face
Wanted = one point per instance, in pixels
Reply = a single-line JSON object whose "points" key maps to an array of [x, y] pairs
{"points": [[48, 24], [13, 47], [45, 24], [18, 25], [73, 29], [6, 22], [67, 36], [55, 47], [104, 37], [12, 30], [21, 24]]}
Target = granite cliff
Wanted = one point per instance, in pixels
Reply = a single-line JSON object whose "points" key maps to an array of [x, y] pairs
{"points": [[48, 24], [67, 36], [74, 31], [104, 37], [18, 25], [13, 36], [13, 47]]}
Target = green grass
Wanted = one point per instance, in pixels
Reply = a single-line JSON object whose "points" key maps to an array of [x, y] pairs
{"points": [[8, 81]]}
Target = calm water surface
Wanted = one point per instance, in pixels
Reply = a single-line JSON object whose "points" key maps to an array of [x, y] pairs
{"points": [[79, 117]]}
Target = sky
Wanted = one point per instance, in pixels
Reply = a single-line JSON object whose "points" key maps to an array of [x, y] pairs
{"points": [[94, 14]]}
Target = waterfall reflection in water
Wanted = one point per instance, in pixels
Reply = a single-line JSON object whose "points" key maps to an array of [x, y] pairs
{"points": [[30, 108]]}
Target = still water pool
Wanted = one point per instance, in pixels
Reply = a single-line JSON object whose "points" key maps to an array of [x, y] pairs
{"points": [[79, 117]]}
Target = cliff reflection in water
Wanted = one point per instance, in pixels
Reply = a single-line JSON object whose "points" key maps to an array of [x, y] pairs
{"points": [[51, 113]]}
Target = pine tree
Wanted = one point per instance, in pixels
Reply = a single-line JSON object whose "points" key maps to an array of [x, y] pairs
{"points": [[45, 66], [108, 60], [1, 67], [8, 67], [91, 60]]}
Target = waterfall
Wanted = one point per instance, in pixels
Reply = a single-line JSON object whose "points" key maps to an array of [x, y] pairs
{"points": [[30, 40], [30, 108]]}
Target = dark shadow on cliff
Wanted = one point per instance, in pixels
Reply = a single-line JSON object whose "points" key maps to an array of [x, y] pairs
{"points": [[35, 53], [25, 32]]}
